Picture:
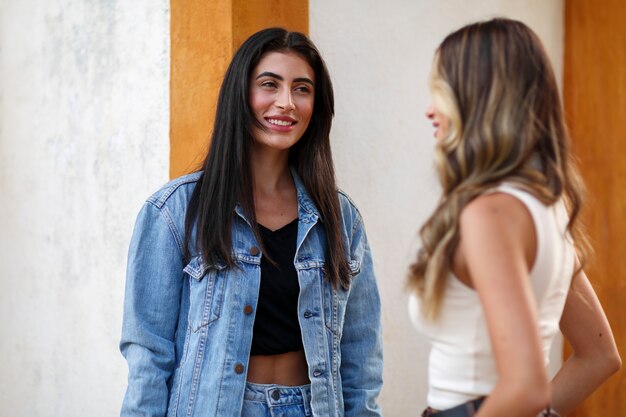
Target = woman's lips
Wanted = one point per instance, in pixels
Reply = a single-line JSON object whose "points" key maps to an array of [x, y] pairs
{"points": [[281, 123]]}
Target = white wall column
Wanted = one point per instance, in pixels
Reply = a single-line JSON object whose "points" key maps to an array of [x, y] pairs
{"points": [[84, 126]]}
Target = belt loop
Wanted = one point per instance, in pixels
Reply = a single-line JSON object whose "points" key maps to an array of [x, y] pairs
{"points": [[306, 400], [474, 405], [470, 407]]}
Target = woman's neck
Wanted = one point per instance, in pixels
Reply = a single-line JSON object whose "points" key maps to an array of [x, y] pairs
{"points": [[270, 172], [275, 195]]}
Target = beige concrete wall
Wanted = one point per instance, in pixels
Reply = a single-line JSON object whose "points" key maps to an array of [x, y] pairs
{"points": [[83, 141]]}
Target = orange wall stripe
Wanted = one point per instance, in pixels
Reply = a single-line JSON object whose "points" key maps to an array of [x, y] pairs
{"points": [[204, 35], [250, 16], [595, 104]]}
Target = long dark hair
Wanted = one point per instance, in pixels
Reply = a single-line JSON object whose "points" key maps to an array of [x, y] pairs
{"points": [[495, 83], [227, 179]]}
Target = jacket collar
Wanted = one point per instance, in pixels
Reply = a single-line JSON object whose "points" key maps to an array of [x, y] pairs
{"points": [[306, 207]]}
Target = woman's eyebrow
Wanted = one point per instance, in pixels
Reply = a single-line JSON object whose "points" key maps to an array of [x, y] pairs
{"points": [[269, 74], [304, 80], [281, 78]]}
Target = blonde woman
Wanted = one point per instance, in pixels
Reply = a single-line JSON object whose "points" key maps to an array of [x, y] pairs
{"points": [[500, 269]]}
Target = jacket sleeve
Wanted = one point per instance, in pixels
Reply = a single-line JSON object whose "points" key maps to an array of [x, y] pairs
{"points": [[361, 342], [151, 307]]}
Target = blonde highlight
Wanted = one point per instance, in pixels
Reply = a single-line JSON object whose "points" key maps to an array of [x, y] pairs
{"points": [[494, 82]]}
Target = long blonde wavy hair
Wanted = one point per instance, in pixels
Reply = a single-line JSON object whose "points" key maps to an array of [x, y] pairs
{"points": [[495, 84]]}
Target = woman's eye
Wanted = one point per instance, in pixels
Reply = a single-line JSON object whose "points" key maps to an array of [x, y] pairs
{"points": [[303, 89], [269, 84]]}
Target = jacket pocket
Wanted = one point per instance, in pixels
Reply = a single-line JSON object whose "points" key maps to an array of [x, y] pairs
{"points": [[206, 292], [335, 301]]}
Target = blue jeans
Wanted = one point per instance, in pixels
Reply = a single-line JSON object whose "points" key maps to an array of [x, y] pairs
{"points": [[271, 400]]}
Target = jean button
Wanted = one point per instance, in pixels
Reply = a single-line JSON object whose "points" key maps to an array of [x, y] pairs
{"points": [[308, 314], [275, 395], [317, 373]]}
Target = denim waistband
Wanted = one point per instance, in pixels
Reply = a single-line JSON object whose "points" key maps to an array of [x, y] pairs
{"points": [[275, 395], [467, 409], [470, 408]]}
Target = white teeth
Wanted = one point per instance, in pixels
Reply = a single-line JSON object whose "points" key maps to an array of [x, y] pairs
{"points": [[280, 122]]}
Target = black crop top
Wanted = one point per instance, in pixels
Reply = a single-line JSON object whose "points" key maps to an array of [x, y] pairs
{"points": [[276, 327]]}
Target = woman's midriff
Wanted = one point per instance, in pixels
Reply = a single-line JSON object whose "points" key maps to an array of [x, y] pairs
{"points": [[288, 369]]}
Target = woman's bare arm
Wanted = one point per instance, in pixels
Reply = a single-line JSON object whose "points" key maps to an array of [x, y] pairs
{"points": [[595, 356]]}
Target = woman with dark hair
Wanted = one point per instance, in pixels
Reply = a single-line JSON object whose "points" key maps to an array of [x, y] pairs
{"points": [[250, 286], [501, 266]]}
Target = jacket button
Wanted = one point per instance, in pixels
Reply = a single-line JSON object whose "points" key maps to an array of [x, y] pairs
{"points": [[247, 309], [239, 368], [317, 373], [308, 314], [254, 251]]}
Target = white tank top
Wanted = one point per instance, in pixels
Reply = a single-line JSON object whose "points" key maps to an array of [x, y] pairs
{"points": [[461, 363]]}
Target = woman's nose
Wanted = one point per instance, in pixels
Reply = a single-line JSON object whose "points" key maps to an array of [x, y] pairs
{"points": [[430, 112], [285, 101]]}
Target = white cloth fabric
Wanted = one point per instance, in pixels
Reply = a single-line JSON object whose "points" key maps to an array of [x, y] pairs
{"points": [[461, 364]]}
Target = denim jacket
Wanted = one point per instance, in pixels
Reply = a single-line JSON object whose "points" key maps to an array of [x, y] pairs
{"points": [[187, 326]]}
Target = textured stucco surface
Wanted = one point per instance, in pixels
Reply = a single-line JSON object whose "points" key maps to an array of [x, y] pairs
{"points": [[379, 56], [84, 119]]}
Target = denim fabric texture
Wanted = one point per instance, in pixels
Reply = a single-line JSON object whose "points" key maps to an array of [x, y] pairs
{"points": [[261, 400], [187, 326]]}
